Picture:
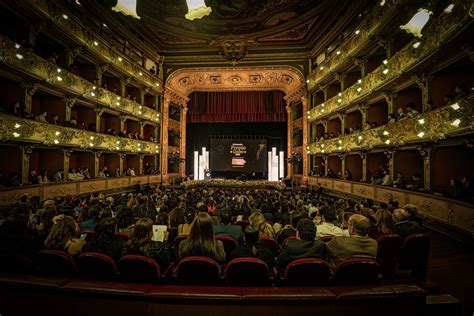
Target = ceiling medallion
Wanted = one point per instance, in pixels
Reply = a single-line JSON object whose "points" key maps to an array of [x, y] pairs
{"points": [[233, 51]]}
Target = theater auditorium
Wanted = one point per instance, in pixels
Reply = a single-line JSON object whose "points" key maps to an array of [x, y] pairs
{"points": [[237, 157]]}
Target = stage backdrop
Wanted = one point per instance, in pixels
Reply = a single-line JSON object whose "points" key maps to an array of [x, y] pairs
{"points": [[238, 155]]}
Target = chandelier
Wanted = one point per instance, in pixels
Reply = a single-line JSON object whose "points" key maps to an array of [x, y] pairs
{"points": [[127, 7], [197, 9]]}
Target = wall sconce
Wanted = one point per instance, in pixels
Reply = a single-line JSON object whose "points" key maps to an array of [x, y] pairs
{"points": [[417, 22]]}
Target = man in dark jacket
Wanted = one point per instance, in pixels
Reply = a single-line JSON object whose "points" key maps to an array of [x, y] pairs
{"points": [[305, 245]]}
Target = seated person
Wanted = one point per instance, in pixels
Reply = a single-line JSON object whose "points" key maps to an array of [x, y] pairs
{"points": [[63, 236], [400, 181], [251, 248], [417, 184], [290, 230], [384, 226], [327, 226], [104, 239], [258, 220], [305, 245], [201, 242], [225, 228], [358, 245], [140, 243], [404, 225], [183, 229], [93, 219]]}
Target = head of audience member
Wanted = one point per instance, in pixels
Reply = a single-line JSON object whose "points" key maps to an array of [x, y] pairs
{"points": [[257, 220], [176, 217], [385, 224], [295, 218], [103, 233], [251, 235], [190, 215], [306, 230], [140, 236], [400, 215], [63, 230], [345, 220], [411, 210], [359, 225], [200, 241], [327, 214], [225, 216], [125, 218]]}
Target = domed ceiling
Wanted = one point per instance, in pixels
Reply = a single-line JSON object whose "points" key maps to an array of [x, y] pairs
{"points": [[273, 24]]}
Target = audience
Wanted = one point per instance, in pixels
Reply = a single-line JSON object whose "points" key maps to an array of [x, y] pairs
{"points": [[404, 225], [258, 221], [225, 228], [251, 248], [384, 226], [104, 240], [63, 236], [327, 228]]}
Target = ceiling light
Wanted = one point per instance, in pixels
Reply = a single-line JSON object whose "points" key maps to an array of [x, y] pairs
{"points": [[456, 122], [104, 25], [58, 70], [416, 45], [118, 98], [197, 9], [77, 2], [118, 142], [323, 151], [118, 103], [118, 148], [16, 134], [307, 112], [455, 106], [339, 100], [339, 141], [19, 56], [449, 8], [127, 7], [417, 22], [339, 94], [322, 145]]}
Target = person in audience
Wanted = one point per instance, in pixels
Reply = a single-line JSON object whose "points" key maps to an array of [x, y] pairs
{"points": [[183, 229], [327, 227], [86, 173], [73, 123], [467, 188], [384, 226], [43, 117], [201, 242], [79, 175], [59, 176], [411, 112], [63, 236], [251, 248], [225, 228], [391, 118], [104, 240], [290, 230], [404, 226], [401, 115], [91, 223], [140, 243], [376, 178], [305, 246], [386, 179], [413, 212], [43, 177], [357, 245], [132, 172], [258, 221], [33, 177], [345, 223], [54, 119], [104, 173], [148, 169], [454, 189], [399, 182], [71, 175], [417, 184], [460, 92], [125, 220], [347, 175], [331, 173], [177, 217], [17, 110]]}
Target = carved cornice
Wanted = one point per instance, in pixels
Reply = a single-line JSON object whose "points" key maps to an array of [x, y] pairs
{"points": [[184, 81]]}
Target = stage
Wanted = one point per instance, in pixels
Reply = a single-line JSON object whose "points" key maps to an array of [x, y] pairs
{"points": [[234, 184]]}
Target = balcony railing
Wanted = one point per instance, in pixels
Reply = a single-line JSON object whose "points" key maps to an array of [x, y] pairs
{"points": [[13, 55], [440, 32], [103, 49], [455, 213], [14, 128], [434, 125]]}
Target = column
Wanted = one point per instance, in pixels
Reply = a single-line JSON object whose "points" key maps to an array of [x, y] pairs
{"points": [[363, 109], [66, 156], [289, 148], [70, 101], [99, 70], [390, 99], [325, 125], [362, 64], [424, 83], [123, 119], [25, 163], [341, 77], [143, 92], [425, 153], [97, 155], [30, 89], [182, 141], [98, 114], [304, 101], [123, 86], [140, 164], [164, 139], [390, 154], [342, 118], [343, 163], [121, 159], [142, 129], [363, 156], [34, 30], [324, 88], [326, 167]]}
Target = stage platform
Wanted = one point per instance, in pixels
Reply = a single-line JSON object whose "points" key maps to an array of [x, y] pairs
{"points": [[234, 184]]}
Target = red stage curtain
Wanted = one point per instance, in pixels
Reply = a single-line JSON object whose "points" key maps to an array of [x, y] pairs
{"points": [[242, 106]]}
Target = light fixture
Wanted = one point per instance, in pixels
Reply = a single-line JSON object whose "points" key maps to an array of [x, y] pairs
{"points": [[321, 68], [339, 94], [118, 148], [339, 100], [417, 22], [96, 43], [385, 133], [357, 32], [307, 112], [307, 147], [157, 84], [17, 45], [416, 45], [91, 144], [92, 94], [359, 89], [118, 98], [94, 87], [322, 110], [455, 106], [339, 141], [77, 2], [322, 145], [58, 70], [104, 25], [56, 141], [420, 134], [307, 81], [57, 133], [65, 17], [197, 9], [323, 151], [449, 8], [127, 7], [16, 134], [359, 137], [385, 71], [421, 121], [385, 62], [19, 56], [456, 122], [92, 137], [387, 141], [359, 81], [382, 3], [118, 103], [17, 125], [338, 52], [59, 78], [140, 73], [120, 59], [309, 116]]}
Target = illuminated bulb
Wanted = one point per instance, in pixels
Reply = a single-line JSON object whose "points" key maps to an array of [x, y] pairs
{"points": [[307, 81], [321, 68], [322, 145], [96, 43], [118, 142], [90, 144], [357, 32], [92, 137], [421, 134], [338, 52], [77, 2], [307, 147], [387, 141], [16, 134], [416, 45], [139, 149], [455, 106], [449, 8], [339, 141], [17, 125], [339, 94], [385, 71], [456, 122], [118, 103], [382, 3], [120, 58], [157, 151], [17, 45], [94, 87], [339, 100], [309, 116], [157, 84], [140, 107], [57, 133], [140, 73], [118, 148], [307, 112], [421, 121], [104, 25], [359, 89], [58, 70], [19, 56], [385, 133], [93, 94], [65, 17], [359, 138], [322, 110], [385, 62], [59, 78], [118, 98], [139, 112], [359, 81], [139, 145], [56, 141], [339, 148], [323, 151]]}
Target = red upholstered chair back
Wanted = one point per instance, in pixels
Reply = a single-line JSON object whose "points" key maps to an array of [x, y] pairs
{"points": [[357, 271], [242, 224], [197, 270], [229, 244], [139, 269], [270, 243], [247, 271], [122, 236], [414, 255], [96, 266], [55, 262], [326, 238], [307, 272], [287, 239], [387, 254], [15, 263]]}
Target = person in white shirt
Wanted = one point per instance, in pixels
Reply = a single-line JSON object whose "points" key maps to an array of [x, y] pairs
{"points": [[71, 175], [386, 180], [327, 227]]}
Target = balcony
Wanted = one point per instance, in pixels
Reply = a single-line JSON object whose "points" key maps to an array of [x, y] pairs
{"points": [[433, 125], [102, 49], [441, 31], [23, 60], [17, 129]]}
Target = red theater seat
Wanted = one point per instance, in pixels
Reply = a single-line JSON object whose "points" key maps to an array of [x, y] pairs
{"points": [[414, 255], [55, 262], [197, 270], [357, 271], [326, 238], [229, 244], [247, 272], [270, 243], [242, 224], [387, 254], [287, 239], [139, 269], [96, 266], [307, 272]]}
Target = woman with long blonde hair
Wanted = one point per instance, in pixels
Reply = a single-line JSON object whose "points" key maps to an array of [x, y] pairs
{"points": [[62, 236], [258, 221], [140, 243], [200, 241], [385, 224]]}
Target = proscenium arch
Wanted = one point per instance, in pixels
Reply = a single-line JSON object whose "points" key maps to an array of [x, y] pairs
{"points": [[184, 81]]}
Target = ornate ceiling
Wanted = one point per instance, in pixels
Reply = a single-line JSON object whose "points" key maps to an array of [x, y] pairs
{"points": [[263, 24]]}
